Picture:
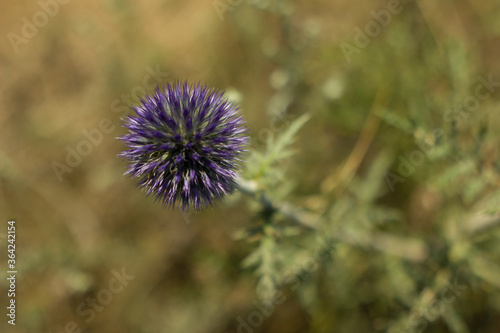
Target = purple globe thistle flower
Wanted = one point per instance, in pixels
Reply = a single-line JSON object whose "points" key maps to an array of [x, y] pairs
{"points": [[185, 144]]}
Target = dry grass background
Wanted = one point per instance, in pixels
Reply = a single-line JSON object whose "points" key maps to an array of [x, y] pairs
{"points": [[73, 234]]}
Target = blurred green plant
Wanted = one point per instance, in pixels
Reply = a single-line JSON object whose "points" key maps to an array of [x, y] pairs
{"points": [[415, 281]]}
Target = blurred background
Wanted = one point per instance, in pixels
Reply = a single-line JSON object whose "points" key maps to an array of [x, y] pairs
{"points": [[70, 70]]}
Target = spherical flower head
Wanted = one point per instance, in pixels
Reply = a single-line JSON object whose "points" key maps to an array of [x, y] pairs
{"points": [[185, 144]]}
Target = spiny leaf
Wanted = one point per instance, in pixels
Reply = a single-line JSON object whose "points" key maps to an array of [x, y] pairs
{"points": [[277, 148], [396, 121], [287, 137], [493, 203], [473, 188], [265, 260], [450, 175], [373, 184]]}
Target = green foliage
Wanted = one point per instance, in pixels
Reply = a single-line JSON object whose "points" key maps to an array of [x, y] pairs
{"points": [[412, 255], [264, 166], [265, 259]]}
